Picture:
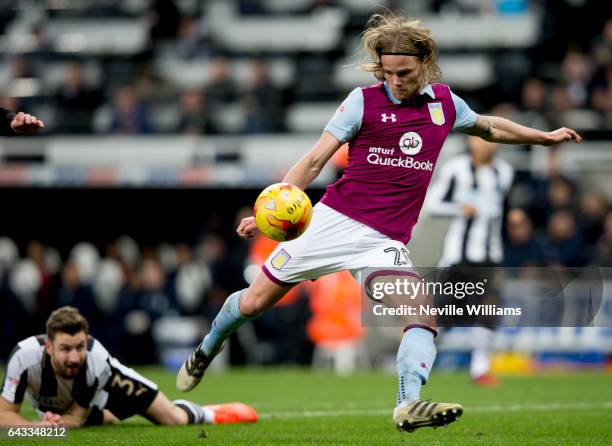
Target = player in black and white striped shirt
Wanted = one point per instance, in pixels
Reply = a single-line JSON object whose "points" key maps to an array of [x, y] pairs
{"points": [[72, 380], [471, 189]]}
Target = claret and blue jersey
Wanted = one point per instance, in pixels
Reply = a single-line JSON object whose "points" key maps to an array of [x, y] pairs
{"points": [[393, 149]]}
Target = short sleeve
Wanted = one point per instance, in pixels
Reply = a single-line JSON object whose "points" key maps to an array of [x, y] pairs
{"points": [[346, 122], [465, 116], [16, 379]]}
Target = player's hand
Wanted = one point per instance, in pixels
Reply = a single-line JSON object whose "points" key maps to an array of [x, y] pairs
{"points": [[25, 124], [468, 210], [562, 135], [51, 419], [247, 228]]}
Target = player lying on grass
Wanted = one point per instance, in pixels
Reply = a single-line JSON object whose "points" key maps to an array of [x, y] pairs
{"points": [[395, 129], [72, 380]]}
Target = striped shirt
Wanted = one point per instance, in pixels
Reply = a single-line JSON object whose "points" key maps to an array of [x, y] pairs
{"points": [[477, 239], [29, 371]]}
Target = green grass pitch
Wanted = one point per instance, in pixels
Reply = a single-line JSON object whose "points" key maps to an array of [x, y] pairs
{"points": [[301, 407]]}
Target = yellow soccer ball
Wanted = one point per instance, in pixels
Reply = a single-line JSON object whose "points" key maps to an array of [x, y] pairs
{"points": [[282, 211]]}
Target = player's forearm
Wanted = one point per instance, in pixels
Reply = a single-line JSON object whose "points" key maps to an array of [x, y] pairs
{"points": [[310, 165], [72, 420], [507, 132], [302, 173], [10, 418]]}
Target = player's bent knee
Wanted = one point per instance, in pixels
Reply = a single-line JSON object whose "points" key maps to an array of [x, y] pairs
{"points": [[252, 305], [260, 296]]}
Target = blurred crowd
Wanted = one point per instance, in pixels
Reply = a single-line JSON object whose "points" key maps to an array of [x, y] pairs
{"points": [[552, 221], [564, 79], [124, 288]]}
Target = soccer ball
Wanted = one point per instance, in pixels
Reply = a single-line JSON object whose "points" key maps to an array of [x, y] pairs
{"points": [[282, 211]]}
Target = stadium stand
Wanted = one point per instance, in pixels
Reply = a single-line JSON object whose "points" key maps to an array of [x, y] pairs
{"points": [[166, 95]]}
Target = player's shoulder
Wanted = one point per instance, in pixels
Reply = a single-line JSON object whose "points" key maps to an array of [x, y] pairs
{"points": [[97, 357], [28, 351], [95, 349], [355, 95]]}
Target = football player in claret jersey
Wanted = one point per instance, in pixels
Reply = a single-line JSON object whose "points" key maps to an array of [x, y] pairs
{"points": [[395, 129], [72, 380]]}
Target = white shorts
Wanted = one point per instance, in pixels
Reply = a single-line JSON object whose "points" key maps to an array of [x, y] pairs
{"points": [[333, 242]]}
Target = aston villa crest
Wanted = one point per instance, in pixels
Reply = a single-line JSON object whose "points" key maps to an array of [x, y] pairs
{"points": [[436, 113]]}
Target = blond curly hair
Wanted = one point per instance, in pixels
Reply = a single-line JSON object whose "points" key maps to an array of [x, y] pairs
{"points": [[396, 34]]}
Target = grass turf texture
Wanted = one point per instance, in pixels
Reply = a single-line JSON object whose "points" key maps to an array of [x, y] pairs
{"points": [[300, 407]]}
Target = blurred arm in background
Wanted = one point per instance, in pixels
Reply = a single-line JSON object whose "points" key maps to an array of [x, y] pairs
{"points": [[20, 123]]}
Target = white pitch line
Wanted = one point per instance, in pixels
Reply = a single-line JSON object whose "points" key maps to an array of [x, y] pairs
{"points": [[468, 409]]}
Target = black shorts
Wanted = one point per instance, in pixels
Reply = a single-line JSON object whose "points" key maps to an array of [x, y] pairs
{"points": [[129, 393]]}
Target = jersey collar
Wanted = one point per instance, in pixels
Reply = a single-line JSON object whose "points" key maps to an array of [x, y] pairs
{"points": [[428, 90]]}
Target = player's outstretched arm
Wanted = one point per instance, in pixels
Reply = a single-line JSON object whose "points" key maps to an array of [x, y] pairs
{"points": [[310, 165], [504, 131], [10, 416]]}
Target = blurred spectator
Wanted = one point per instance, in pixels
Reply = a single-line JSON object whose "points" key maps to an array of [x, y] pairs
{"points": [[522, 248], [601, 99], [152, 282], [576, 71], [129, 113], [72, 292], [561, 195], [263, 102], [194, 118], [561, 102], [604, 246], [20, 316], [148, 303], [35, 251], [601, 82], [565, 243], [151, 89], [534, 104], [593, 210], [193, 40], [75, 102], [220, 88]]}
